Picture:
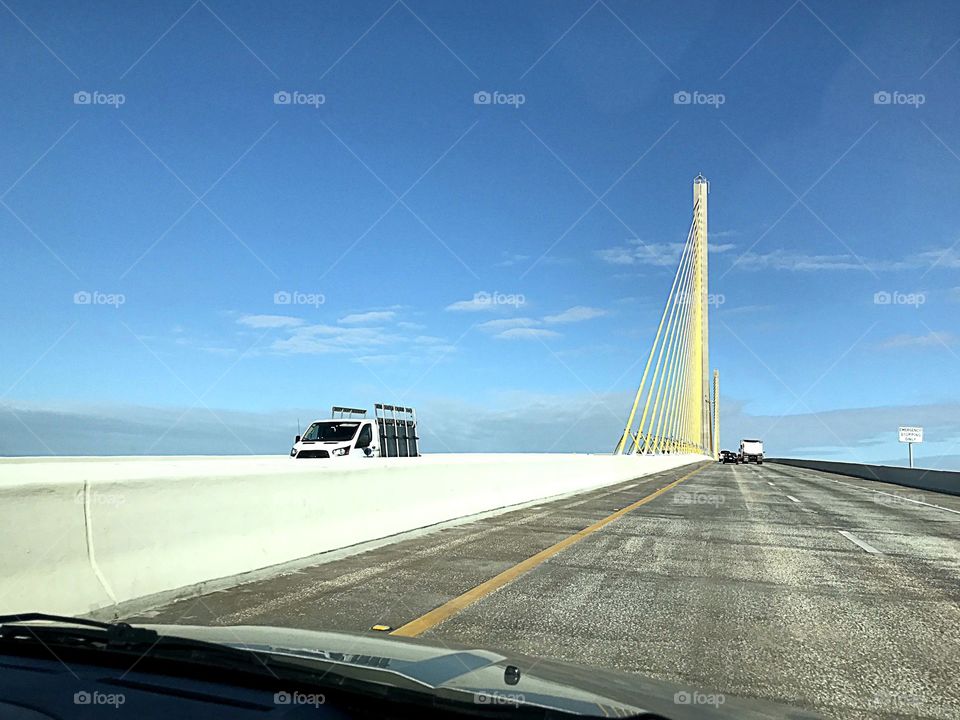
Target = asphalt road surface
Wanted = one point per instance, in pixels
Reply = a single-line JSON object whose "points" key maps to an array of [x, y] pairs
{"points": [[833, 594]]}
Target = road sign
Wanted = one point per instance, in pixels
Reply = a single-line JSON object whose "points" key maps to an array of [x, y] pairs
{"points": [[911, 434]]}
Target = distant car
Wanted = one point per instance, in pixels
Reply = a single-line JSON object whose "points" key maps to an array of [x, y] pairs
{"points": [[728, 456]]}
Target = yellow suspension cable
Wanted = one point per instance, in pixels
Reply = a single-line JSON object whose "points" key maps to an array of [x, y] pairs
{"points": [[669, 307], [646, 369], [656, 389], [673, 363], [677, 410], [686, 419], [669, 432], [678, 292]]}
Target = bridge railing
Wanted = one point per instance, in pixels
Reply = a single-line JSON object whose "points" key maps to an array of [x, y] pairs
{"points": [[86, 535], [941, 481]]}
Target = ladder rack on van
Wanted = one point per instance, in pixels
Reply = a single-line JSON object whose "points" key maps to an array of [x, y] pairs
{"points": [[345, 413], [397, 426]]}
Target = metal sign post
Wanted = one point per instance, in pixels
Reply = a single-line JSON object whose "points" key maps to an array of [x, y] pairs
{"points": [[910, 435]]}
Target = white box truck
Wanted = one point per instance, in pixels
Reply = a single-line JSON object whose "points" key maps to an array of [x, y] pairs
{"points": [[751, 450], [392, 432]]}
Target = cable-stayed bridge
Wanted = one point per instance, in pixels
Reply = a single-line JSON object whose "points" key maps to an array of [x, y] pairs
{"points": [[680, 403]]}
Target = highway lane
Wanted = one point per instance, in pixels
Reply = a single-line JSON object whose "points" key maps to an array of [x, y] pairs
{"points": [[760, 581]]}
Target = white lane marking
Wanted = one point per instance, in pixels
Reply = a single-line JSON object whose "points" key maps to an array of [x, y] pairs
{"points": [[793, 498], [631, 487], [770, 484], [894, 495], [857, 541]]}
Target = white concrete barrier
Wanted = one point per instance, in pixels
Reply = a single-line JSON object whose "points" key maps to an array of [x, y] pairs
{"points": [[81, 534]]}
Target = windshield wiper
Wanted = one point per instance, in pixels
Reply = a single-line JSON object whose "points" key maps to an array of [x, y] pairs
{"points": [[123, 639], [114, 634]]}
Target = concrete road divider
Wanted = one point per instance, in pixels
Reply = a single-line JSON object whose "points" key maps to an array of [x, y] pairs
{"points": [[943, 481], [83, 534]]}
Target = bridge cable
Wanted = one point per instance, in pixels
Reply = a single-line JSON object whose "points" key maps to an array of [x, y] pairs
{"points": [[636, 401], [672, 306], [676, 337]]}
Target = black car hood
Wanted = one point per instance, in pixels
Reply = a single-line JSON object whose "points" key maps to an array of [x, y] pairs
{"points": [[449, 666]]}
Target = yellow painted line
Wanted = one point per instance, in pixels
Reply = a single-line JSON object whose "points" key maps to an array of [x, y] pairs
{"points": [[452, 607]]}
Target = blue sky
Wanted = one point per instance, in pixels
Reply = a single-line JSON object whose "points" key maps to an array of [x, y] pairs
{"points": [[189, 205]]}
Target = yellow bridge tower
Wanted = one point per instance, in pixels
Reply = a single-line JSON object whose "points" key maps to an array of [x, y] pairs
{"points": [[680, 405]]}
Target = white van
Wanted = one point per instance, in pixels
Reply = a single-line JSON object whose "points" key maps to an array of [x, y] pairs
{"points": [[391, 432], [337, 438]]}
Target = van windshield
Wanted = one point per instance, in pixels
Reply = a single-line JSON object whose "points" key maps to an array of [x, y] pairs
{"points": [[331, 431]]}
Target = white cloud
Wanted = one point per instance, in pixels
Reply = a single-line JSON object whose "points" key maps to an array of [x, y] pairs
{"points": [[782, 260], [526, 328], [269, 321], [944, 259], [474, 304], [322, 339], [744, 309], [656, 254], [578, 313], [636, 252], [931, 339], [527, 333], [365, 343], [938, 259], [507, 324], [511, 259], [373, 316]]}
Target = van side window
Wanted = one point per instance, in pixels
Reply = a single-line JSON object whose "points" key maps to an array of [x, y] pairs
{"points": [[366, 437]]}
